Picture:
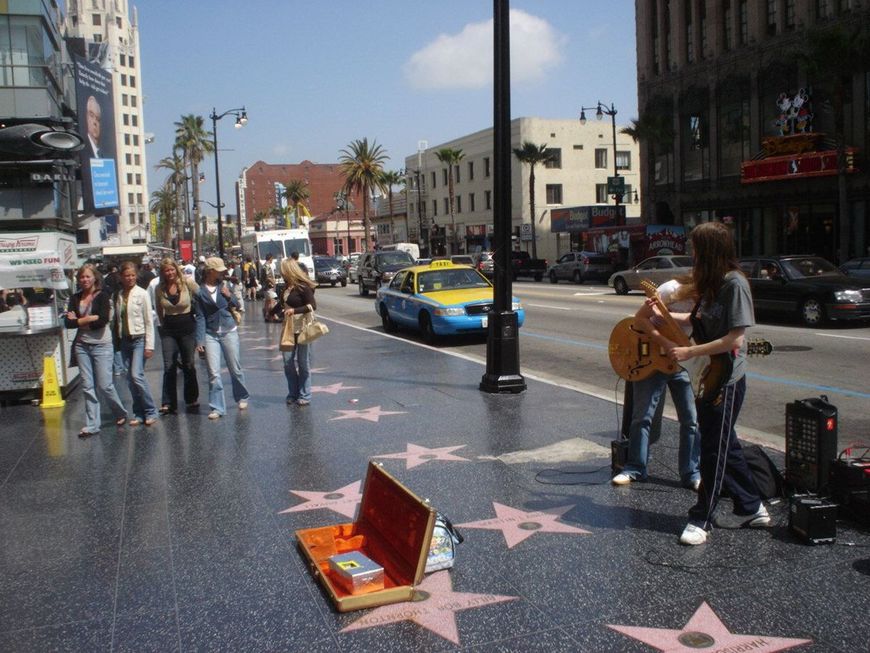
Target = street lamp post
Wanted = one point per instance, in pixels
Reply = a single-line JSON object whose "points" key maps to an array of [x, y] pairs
{"points": [[241, 120], [600, 111], [218, 207]]}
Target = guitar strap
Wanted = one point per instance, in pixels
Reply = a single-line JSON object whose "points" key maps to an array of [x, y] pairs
{"points": [[698, 334]]}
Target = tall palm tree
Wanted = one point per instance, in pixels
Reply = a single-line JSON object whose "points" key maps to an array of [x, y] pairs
{"points": [[532, 154], [362, 165], [163, 203], [450, 157], [176, 181], [195, 142], [296, 191], [391, 178]]}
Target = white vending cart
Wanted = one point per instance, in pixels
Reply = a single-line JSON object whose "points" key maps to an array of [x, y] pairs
{"points": [[41, 264]]}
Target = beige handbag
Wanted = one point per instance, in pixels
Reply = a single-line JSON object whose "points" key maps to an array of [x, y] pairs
{"points": [[311, 329], [288, 337]]}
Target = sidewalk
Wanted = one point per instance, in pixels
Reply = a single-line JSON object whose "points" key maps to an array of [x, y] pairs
{"points": [[180, 537]]}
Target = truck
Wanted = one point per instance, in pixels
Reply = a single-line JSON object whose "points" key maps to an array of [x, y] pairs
{"points": [[523, 265], [280, 243]]}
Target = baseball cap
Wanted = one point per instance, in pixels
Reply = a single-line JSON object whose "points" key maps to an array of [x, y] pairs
{"points": [[201, 258], [215, 263]]}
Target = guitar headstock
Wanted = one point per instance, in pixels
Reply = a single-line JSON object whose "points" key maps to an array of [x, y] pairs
{"points": [[759, 347], [649, 288]]}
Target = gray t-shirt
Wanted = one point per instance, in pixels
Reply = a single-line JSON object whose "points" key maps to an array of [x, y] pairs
{"points": [[731, 309]]}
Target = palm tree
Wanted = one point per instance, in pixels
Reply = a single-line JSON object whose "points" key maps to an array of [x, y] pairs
{"points": [[362, 165], [296, 191], [391, 178], [195, 142], [176, 181], [450, 157], [163, 203], [532, 154]]}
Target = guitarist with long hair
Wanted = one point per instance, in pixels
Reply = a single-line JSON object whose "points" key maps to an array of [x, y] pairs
{"points": [[723, 313]]}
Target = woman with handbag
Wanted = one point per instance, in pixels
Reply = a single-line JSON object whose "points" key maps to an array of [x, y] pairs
{"points": [[135, 329], [90, 311], [174, 299], [217, 333], [296, 300]]}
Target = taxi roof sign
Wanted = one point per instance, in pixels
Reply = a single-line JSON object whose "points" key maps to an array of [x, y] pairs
{"points": [[441, 264]]}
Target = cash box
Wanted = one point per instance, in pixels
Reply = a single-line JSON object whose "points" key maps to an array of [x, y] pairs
{"points": [[393, 529], [356, 573]]}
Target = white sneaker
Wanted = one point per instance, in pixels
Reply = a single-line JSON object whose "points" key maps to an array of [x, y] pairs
{"points": [[622, 478], [214, 415], [303, 402], [693, 536], [243, 404], [759, 519]]}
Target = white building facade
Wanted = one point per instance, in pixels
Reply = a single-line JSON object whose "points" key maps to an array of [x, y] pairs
{"points": [[583, 159], [113, 24]]}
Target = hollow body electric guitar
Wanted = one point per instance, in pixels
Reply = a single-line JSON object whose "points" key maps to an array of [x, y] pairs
{"points": [[635, 356]]}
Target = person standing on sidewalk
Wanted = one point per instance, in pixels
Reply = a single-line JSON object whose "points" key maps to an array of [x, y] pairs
{"points": [[720, 319], [135, 329], [648, 393], [90, 311], [296, 300], [175, 313], [217, 334], [268, 282], [249, 278]]}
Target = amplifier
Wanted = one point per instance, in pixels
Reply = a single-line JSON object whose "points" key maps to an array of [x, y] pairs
{"points": [[618, 454], [810, 443], [850, 487], [813, 520]]}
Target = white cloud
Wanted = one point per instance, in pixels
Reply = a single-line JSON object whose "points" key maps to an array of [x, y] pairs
{"points": [[464, 60], [280, 149]]}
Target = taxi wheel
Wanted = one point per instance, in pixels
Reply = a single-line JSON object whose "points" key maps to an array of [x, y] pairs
{"points": [[426, 328], [387, 321]]}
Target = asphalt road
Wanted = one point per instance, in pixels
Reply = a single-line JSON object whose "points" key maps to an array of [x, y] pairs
{"points": [[565, 337]]}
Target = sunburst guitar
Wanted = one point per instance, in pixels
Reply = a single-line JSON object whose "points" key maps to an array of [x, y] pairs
{"points": [[635, 356]]}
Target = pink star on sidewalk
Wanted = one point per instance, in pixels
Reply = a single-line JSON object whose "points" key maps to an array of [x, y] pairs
{"points": [[343, 500], [372, 414], [705, 630], [333, 389], [517, 525], [417, 455], [434, 608]]}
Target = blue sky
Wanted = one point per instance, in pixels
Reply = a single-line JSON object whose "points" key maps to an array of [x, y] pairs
{"points": [[316, 75]]}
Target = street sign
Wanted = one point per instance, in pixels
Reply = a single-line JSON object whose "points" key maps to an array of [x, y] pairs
{"points": [[525, 231], [616, 185]]}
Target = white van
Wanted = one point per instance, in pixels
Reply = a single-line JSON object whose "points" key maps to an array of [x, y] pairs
{"points": [[279, 243], [410, 248]]}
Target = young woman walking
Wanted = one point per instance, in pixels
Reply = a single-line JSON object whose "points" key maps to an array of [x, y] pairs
{"points": [[90, 311], [296, 300]]}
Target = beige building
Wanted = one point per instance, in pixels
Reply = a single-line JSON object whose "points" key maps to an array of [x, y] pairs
{"points": [[113, 26], [577, 176]]}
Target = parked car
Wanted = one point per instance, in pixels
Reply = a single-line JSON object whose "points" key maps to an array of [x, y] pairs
{"points": [[857, 268], [809, 287], [329, 270], [580, 267], [438, 299], [657, 269], [484, 263], [523, 265], [378, 267]]}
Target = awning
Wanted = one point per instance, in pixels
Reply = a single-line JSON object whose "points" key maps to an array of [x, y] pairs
{"points": [[32, 270]]}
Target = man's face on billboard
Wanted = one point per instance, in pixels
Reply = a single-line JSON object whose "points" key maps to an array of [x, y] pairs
{"points": [[94, 116]]}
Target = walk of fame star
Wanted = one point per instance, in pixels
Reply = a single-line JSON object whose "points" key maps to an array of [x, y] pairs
{"points": [[434, 608], [518, 525], [416, 455], [343, 500], [372, 414], [333, 389], [706, 631]]}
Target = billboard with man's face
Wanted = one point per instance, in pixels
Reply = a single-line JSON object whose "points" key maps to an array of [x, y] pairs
{"points": [[96, 113]]}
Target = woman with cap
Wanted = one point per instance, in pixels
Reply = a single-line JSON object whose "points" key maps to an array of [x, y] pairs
{"points": [[217, 333], [135, 329]]}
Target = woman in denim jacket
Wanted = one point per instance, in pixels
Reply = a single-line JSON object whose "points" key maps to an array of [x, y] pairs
{"points": [[216, 333]]}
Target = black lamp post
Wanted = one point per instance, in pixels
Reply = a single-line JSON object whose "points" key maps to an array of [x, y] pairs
{"points": [[600, 111], [241, 120], [502, 343], [218, 207]]}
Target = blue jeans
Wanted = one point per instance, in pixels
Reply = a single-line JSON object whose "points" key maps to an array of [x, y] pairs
{"points": [[647, 395], [95, 369], [133, 354], [297, 369], [228, 344]]}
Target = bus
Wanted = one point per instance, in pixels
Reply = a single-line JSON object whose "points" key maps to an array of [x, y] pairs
{"points": [[279, 243]]}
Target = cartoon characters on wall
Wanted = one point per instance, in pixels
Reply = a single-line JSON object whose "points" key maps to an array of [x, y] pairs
{"points": [[795, 113]]}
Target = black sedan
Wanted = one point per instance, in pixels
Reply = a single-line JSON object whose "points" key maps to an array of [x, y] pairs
{"points": [[807, 286], [329, 270], [857, 268]]}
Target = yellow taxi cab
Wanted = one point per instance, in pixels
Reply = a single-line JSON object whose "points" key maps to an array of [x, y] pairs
{"points": [[438, 299]]}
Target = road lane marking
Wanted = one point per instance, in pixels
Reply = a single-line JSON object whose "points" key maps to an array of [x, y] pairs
{"points": [[810, 386], [836, 335], [555, 308], [588, 294]]}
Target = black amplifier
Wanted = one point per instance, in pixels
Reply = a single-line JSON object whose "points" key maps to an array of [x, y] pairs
{"points": [[814, 520], [618, 454], [810, 443], [850, 487]]}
